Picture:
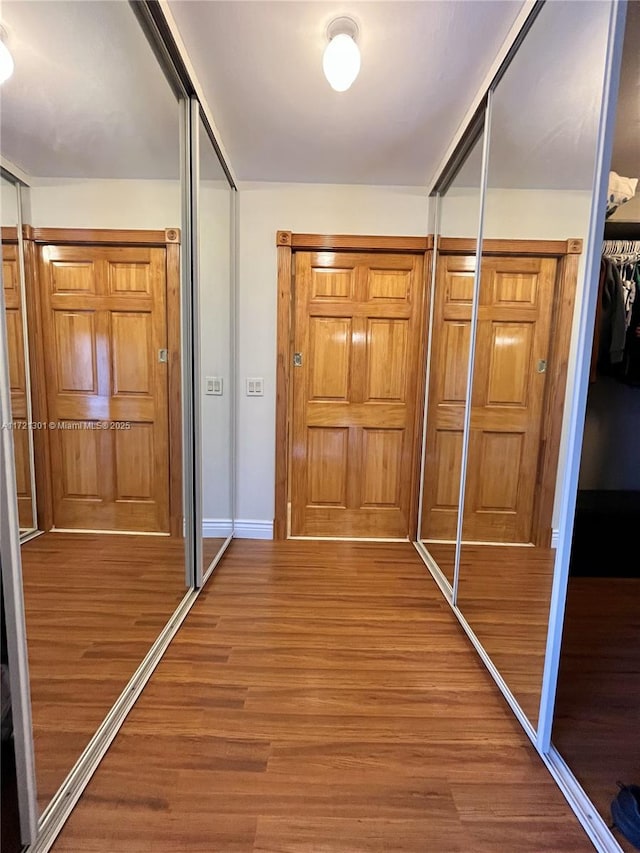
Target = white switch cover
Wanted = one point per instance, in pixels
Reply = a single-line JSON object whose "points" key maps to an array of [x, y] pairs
{"points": [[255, 386], [213, 385]]}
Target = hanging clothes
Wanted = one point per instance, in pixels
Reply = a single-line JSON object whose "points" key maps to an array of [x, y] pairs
{"points": [[617, 334], [613, 318], [631, 369]]}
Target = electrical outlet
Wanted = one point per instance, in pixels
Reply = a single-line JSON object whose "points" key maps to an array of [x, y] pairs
{"points": [[213, 385], [255, 386]]}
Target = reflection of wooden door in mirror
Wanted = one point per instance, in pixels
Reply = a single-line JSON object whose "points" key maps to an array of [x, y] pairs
{"points": [[104, 325], [511, 354], [357, 330], [17, 380], [512, 345]]}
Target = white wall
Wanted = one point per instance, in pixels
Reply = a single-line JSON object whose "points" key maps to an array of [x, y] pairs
{"points": [[264, 209], [8, 204], [215, 350], [105, 204]]}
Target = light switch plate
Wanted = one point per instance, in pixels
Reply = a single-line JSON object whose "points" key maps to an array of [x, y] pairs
{"points": [[213, 385], [255, 386]]}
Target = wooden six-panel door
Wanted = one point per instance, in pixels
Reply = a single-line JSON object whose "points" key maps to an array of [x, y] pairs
{"points": [[357, 337], [104, 324], [17, 382], [512, 348]]}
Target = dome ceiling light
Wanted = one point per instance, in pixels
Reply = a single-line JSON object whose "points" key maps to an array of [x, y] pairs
{"points": [[341, 59]]}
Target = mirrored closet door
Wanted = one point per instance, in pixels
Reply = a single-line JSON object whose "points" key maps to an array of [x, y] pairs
{"points": [[538, 200], [597, 709], [452, 288], [100, 153], [501, 362], [215, 206]]}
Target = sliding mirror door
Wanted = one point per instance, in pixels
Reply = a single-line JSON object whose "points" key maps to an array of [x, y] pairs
{"points": [[595, 726], [92, 124], [458, 219], [541, 165], [216, 305], [16, 319]]}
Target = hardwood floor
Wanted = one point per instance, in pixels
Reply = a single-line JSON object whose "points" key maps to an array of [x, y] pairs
{"points": [[598, 701], [321, 697], [504, 593], [94, 604]]}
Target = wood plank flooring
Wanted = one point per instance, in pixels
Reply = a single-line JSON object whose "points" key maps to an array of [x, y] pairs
{"points": [[598, 701], [321, 697], [94, 605], [504, 593]]}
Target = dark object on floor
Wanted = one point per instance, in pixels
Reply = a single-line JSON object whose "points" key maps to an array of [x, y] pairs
{"points": [[605, 535], [625, 811]]}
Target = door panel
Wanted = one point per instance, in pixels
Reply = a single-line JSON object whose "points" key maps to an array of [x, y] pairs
{"points": [[104, 321], [387, 344], [17, 381], [327, 452], [357, 319], [330, 351]]}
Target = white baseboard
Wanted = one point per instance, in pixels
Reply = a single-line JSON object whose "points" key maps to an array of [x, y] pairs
{"points": [[243, 528], [216, 528], [252, 528], [555, 534]]}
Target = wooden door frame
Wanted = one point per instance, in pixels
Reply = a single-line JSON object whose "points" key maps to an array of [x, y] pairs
{"points": [[169, 239], [567, 253], [287, 244]]}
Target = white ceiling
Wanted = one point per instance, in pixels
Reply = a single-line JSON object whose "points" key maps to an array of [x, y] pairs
{"points": [[546, 109], [99, 106], [87, 99], [260, 65]]}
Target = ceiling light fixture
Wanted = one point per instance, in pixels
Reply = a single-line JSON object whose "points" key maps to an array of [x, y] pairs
{"points": [[6, 60], [341, 59]]}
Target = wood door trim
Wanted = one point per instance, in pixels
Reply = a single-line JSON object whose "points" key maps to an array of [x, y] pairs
{"points": [[174, 388], [553, 404], [41, 445], [353, 243], [9, 234], [416, 466], [282, 389], [107, 236], [537, 248]]}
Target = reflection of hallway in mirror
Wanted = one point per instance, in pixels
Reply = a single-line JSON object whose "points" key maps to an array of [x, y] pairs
{"points": [[596, 722], [504, 594], [321, 696], [94, 604]]}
